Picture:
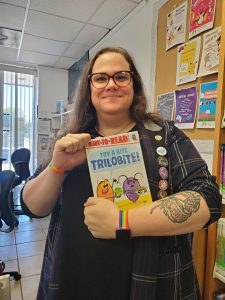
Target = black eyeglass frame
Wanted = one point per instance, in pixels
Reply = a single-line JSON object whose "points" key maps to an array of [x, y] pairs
{"points": [[109, 77]]}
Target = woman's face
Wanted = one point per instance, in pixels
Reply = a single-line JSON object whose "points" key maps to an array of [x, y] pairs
{"points": [[111, 99]]}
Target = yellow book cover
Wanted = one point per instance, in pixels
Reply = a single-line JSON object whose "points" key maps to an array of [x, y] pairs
{"points": [[117, 170]]}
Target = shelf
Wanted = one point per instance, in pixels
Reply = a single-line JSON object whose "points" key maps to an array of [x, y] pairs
{"points": [[61, 114]]}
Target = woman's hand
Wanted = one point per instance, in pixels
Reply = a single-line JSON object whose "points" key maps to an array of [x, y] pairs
{"points": [[101, 217], [69, 151]]}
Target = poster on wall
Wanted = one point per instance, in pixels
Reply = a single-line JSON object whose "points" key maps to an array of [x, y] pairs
{"points": [[43, 126], [202, 13], [187, 61], [207, 105], [165, 105], [210, 52], [185, 108], [176, 26], [43, 143]]}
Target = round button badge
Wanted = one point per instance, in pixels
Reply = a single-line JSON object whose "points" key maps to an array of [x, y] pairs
{"points": [[163, 172], [162, 161], [158, 137], [161, 151], [163, 184], [161, 194]]}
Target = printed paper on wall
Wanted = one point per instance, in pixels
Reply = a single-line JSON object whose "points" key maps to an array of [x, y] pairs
{"points": [[176, 26], [187, 61], [210, 53], [201, 16]]}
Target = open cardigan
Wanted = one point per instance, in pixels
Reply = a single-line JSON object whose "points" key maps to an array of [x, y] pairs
{"points": [[161, 267]]}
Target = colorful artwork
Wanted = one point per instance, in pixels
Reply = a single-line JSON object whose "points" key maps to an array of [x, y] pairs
{"points": [[210, 53], [207, 105], [186, 101], [165, 105], [201, 16], [187, 61], [176, 26], [117, 170]]}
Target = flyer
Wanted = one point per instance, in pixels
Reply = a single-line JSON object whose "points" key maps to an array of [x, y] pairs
{"points": [[201, 16], [187, 61], [185, 112], [176, 26], [165, 105], [210, 52], [207, 105]]}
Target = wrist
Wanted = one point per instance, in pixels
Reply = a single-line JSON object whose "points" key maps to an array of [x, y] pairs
{"points": [[57, 170], [123, 231]]}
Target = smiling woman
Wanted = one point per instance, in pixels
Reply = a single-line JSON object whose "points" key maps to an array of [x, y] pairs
{"points": [[89, 238]]}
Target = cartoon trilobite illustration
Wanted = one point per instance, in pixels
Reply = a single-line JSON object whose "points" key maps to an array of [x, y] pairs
{"points": [[132, 187]]}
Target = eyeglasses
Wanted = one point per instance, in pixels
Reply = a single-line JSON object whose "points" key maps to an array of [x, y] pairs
{"points": [[100, 80]]}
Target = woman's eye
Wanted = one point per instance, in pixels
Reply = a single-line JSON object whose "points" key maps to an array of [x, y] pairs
{"points": [[121, 77], [100, 78]]}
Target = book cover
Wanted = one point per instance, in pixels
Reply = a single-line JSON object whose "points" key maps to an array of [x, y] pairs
{"points": [[117, 170], [207, 105], [165, 105], [185, 108]]}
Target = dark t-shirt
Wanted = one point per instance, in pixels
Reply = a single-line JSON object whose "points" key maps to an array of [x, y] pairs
{"points": [[92, 269]]}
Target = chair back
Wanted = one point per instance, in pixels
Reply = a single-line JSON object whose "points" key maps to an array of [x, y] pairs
{"points": [[20, 159], [6, 182]]}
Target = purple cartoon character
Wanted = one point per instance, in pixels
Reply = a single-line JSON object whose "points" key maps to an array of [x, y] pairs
{"points": [[132, 188]]}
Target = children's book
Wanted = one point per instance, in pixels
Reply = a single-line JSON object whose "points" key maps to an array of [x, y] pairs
{"points": [[117, 170]]}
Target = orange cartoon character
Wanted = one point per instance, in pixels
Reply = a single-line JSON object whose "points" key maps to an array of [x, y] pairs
{"points": [[104, 190]]}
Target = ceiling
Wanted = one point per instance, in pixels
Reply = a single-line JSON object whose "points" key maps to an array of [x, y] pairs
{"points": [[55, 33]]}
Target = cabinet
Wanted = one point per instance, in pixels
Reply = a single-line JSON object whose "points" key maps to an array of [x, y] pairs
{"points": [[204, 241]]}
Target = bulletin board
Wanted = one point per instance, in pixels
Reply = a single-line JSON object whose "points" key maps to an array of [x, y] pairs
{"points": [[165, 82], [166, 61]]}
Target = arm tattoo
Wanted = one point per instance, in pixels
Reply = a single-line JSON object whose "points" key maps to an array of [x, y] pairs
{"points": [[179, 207]]}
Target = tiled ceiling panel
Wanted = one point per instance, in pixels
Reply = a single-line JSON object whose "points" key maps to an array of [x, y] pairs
{"points": [[59, 29], [72, 9], [112, 12], [90, 34], [11, 16], [57, 33], [38, 58], [47, 46], [76, 50], [65, 62], [22, 3]]}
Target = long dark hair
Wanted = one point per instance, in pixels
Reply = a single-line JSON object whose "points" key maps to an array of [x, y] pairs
{"points": [[83, 116]]}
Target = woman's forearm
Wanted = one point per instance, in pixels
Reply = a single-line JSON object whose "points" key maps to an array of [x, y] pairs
{"points": [[180, 213], [41, 193]]}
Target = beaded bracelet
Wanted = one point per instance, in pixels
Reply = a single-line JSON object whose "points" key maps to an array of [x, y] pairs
{"points": [[56, 169]]}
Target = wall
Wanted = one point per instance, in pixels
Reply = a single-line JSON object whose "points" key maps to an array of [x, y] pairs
{"points": [[137, 33], [53, 85]]}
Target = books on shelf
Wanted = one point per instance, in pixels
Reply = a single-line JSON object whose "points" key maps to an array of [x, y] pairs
{"points": [[220, 249], [117, 170], [222, 172]]}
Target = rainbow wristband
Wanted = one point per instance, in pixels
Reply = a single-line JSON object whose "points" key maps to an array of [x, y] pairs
{"points": [[57, 170], [123, 220]]}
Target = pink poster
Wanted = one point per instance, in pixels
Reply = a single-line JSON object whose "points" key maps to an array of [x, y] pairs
{"points": [[201, 16]]}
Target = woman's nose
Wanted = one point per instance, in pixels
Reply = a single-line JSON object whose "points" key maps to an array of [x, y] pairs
{"points": [[111, 84]]}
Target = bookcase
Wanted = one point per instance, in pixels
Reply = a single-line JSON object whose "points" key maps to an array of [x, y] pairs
{"points": [[58, 120], [204, 241]]}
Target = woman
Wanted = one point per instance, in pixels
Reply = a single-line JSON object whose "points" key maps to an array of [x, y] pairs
{"points": [[84, 259]]}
